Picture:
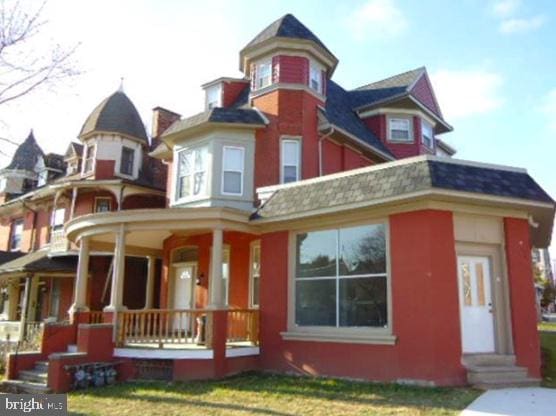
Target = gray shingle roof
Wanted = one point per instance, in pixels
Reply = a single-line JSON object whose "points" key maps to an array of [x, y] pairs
{"points": [[38, 261], [403, 80], [218, 115], [288, 26], [26, 155], [115, 114], [366, 185]]}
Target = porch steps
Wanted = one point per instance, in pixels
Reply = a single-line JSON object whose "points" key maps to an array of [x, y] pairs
{"points": [[33, 381], [492, 371]]}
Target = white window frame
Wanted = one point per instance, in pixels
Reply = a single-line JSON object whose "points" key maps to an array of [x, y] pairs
{"points": [[216, 100], [259, 84], [18, 223], [241, 172], [298, 142], [176, 188], [89, 154], [58, 218], [430, 144], [103, 198], [314, 70], [371, 335], [407, 120], [254, 274], [132, 152]]}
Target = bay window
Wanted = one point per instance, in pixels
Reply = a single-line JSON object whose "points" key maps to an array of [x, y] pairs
{"points": [[192, 173], [315, 78], [341, 278], [232, 170], [427, 135], [399, 130], [290, 160]]}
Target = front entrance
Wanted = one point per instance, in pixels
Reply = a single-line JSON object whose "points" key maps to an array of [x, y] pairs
{"points": [[475, 299], [184, 292]]}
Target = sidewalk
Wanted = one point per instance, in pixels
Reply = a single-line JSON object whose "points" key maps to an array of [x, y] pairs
{"points": [[531, 401]]}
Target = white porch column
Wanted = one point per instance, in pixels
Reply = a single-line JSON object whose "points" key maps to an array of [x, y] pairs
{"points": [[150, 282], [80, 292], [118, 274], [216, 283]]}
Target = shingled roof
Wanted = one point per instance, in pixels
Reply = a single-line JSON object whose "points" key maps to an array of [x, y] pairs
{"points": [[240, 116], [26, 155], [288, 26], [39, 261], [396, 179], [115, 114]]}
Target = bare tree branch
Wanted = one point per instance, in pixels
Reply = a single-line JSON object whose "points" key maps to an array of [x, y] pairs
{"points": [[24, 66]]}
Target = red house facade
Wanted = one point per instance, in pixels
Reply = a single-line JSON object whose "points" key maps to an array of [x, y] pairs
{"points": [[305, 228]]}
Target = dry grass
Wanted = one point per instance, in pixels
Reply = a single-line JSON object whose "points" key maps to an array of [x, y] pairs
{"points": [[256, 394]]}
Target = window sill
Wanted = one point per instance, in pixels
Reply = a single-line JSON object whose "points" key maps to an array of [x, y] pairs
{"points": [[375, 339]]}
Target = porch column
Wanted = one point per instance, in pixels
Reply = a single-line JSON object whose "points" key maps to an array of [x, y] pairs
{"points": [[118, 274], [80, 293], [25, 306], [216, 283], [13, 298], [150, 282]]}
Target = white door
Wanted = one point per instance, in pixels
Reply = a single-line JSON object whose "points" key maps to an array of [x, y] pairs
{"points": [[183, 293], [475, 299]]}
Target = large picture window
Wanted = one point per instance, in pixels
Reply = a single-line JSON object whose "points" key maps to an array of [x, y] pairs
{"points": [[341, 278], [192, 173]]}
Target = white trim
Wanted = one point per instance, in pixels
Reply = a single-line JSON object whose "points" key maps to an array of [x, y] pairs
{"points": [[241, 172], [176, 198], [298, 141], [393, 110], [258, 65], [286, 86], [242, 352], [252, 246], [410, 131], [425, 123], [376, 339], [164, 354]]}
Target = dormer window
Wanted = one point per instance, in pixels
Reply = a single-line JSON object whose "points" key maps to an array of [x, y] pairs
{"points": [[126, 161], [263, 75], [315, 78], [399, 130], [89, 158], [192, 172], [427, 135], [214, 96]]}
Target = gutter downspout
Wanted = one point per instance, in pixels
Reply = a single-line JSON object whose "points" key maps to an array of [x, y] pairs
{"points": [[321, 139]]}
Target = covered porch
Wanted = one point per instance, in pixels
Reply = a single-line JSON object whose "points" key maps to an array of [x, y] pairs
{"points": [[198, 292]]}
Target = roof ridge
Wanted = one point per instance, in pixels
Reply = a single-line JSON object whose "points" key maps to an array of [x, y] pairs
{"points": [[367, 86]]}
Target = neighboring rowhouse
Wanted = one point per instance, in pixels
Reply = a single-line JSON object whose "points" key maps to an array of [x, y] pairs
{"points": [[109, 170], [316, 230]]}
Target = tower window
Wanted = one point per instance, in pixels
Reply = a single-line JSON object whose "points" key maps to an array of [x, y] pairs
{"points": [[126, 163], [263, 75]]}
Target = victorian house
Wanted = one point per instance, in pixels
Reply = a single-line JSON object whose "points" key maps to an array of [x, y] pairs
{"points": [[303, 227]]}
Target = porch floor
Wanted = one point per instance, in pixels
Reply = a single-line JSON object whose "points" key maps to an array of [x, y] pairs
{"points": [[183, 346]]}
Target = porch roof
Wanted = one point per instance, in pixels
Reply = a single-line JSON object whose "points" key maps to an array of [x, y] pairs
{"points": [[411, 178], [39, 261]]}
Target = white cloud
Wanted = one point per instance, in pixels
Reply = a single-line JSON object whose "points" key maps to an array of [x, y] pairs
{"points": [[464, 93], [377, 19], [505, 8], [549, 109], [522, 25]]}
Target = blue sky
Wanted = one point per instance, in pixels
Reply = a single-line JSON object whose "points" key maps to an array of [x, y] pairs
{"points": [[492, 63]]}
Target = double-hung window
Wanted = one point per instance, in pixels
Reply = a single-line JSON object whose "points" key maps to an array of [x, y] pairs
{"points": [[89, 158], [232, 170], [58, 217], [290, 160], [192, 172], [214, 96], [427, 135], [263, 75], [126, 162], [103, 204], [341, 278], [315, 79], [399, 130], [255, 273], [16, 235]]}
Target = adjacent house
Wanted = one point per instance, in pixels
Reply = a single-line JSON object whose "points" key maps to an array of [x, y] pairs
{"points": [[303, 228]]}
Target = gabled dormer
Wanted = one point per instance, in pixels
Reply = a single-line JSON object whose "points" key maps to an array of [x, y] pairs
{"points": [[114, 139], [287, 55], [72, 158]]}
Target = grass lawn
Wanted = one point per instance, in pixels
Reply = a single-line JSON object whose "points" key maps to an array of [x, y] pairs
{"points": [[257, 394], [548, 345]]}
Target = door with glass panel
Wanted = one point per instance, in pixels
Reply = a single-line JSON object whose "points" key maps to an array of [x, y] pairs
{"points": [[475, 298], [184, 295]]}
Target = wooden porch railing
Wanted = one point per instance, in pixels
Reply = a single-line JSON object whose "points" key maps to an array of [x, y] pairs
{"points": [[161, 326], [158, 327], [95, 317], [243, 326]]}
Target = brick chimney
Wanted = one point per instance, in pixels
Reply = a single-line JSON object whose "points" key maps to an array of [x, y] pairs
{"points": [[162, 119]]}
